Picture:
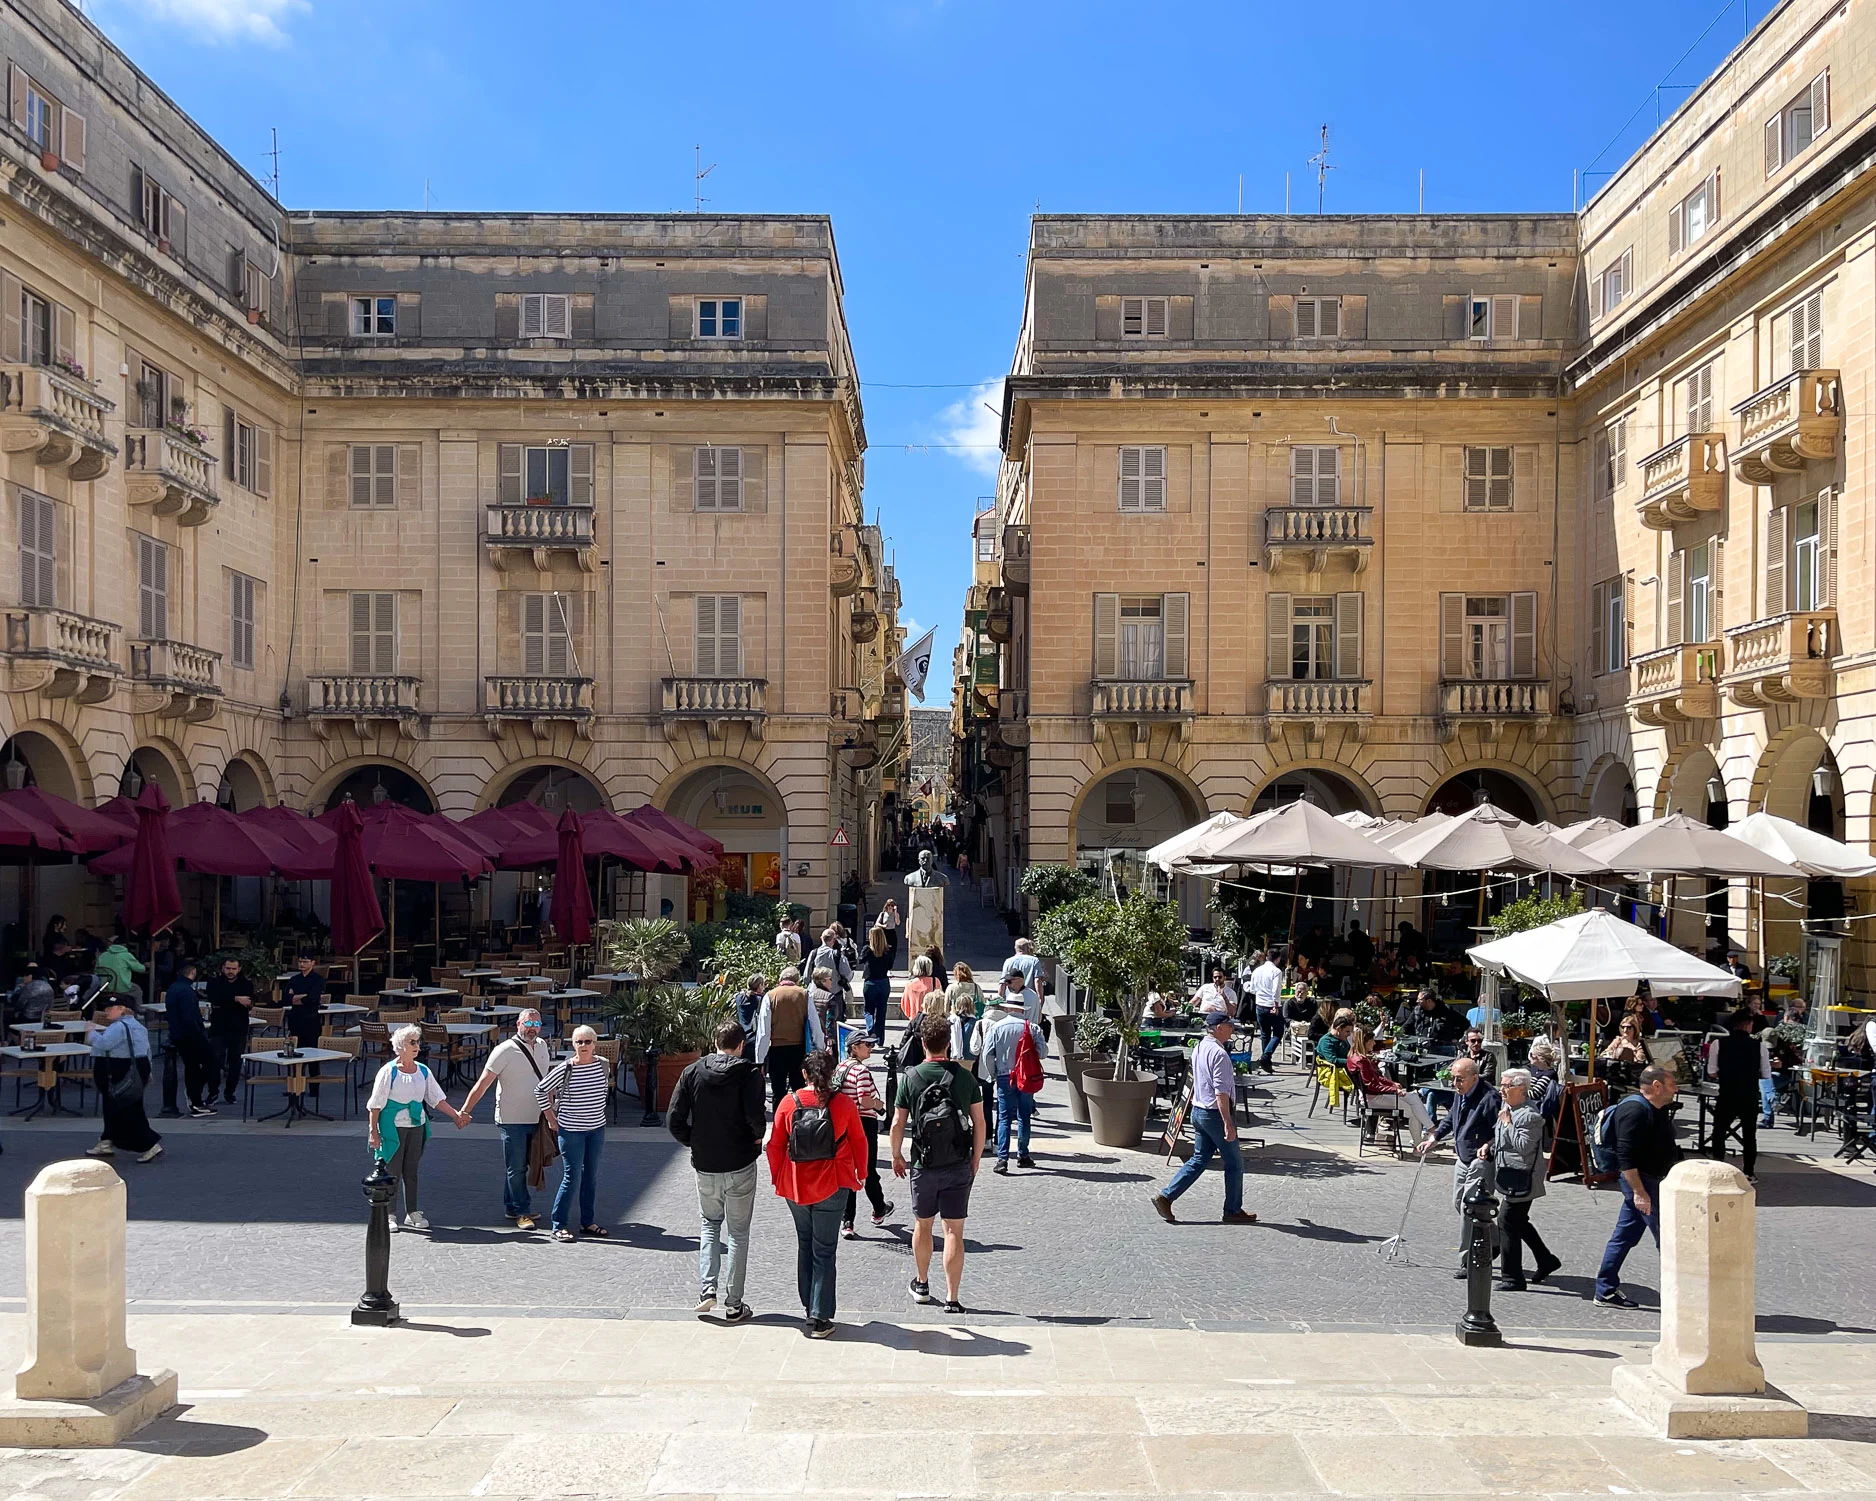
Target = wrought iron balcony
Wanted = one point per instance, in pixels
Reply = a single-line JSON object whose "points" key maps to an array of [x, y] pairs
{"points": [[57, 417], [1780, 660], [1788, 424], [1016, 558], [540, 531], [1310, 536], [1682, 479], [715, 702], [171, 475], [1492, 703], [61, 655], [541, 700], [174, 680], [363, 697], [1676, 684], [1316, 704]]}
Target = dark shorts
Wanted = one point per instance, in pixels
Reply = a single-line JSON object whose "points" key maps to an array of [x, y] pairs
{"points": [[942, 1192]]}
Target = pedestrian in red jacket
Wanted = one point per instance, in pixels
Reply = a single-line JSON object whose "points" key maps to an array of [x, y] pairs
{"points": [[817, 1155]]}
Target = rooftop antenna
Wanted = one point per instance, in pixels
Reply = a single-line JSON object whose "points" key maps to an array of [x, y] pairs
{"points": [[273, 156], [699, 173], [1320, 161]]}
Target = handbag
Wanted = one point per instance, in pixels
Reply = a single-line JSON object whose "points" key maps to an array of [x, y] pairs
{"points": [[543, 1146], [1514, 1182], [126, 1086]]}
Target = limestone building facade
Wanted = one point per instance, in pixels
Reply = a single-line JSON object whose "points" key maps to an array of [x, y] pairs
{"points": [[471, 507]]}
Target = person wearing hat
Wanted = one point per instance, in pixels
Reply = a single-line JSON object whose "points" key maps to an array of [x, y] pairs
{"points": [[999, 1035], [1214, 1125], [120, 1067]]}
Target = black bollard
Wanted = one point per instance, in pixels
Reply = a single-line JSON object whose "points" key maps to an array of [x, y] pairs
{"points": [[169, 1110], [1478, 1327], [377, 1306], [651, 1117]]}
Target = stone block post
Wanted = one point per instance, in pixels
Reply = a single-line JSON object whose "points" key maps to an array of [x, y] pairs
{"points": [[1705, 1380], [79, 1385]]}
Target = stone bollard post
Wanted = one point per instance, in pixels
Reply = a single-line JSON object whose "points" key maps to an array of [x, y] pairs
{"points": [[79, 1386], [1705, 1380]]}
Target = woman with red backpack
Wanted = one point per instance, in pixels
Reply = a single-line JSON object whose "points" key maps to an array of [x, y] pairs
{"points": [[817, 1156]]}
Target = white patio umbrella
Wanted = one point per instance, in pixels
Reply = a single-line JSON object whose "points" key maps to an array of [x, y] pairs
{"points": [[1295, 835], [1816, 855], [1580, 834], [1489, 838], [1168, 852], [1681, 846], [1392, 834]]}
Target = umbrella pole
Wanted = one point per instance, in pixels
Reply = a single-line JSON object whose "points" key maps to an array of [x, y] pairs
{"points": [[390, 949], [217, 881], [1764, 979], [437, 920], [1296, 889], [1591, 1060]]}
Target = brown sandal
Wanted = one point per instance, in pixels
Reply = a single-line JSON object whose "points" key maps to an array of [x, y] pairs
{"points": [[592, 1230]]}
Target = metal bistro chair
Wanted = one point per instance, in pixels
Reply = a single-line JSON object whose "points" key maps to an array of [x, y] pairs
{"points": [[612, 1050], [1336, 1080], [1373, 1112], [346, 1079]]}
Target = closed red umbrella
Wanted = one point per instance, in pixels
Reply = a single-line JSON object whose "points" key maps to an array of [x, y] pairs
{"points": [[86, 831], [356, 916], [571, 910], [688, 833], [151, 900]]}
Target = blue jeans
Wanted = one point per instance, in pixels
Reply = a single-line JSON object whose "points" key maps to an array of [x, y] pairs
{"points": [[579, 1174], [817, 1239], [1768, 1102], [1012, 1106], [877, 993], [725, 1203], [1208, 1141], [1630, 1225], [515, 1141]]}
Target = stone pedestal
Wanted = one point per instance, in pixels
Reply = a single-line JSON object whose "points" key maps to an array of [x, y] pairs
{"points": [[924, 920], [79, 1385], [1705, 1380]]}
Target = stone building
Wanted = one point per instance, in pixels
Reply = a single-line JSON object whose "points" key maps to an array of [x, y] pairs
{"points": [[467, 507], [1563, 510]]}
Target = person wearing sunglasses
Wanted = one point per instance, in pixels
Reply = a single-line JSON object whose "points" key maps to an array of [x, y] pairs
{"points": [[574, 1095], [514, 1070]]}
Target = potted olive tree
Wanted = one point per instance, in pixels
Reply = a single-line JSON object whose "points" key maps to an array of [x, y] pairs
{"points": [[1119, 951]]}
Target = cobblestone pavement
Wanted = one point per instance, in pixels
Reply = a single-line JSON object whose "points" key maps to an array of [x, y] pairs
{"points": [[265, 1217]]}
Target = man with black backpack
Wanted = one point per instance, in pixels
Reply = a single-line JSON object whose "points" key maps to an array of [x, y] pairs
{"points": [[717, 1111], [941, 1108], [1635, 1136]]}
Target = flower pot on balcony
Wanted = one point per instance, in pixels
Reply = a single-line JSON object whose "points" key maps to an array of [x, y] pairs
{"points": [[1117, 1107], [49, 160], [540, 500], [162, 246], [254, 315]]}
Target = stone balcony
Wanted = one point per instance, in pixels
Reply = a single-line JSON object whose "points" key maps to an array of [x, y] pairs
{"points": [[1780, 660], [1316, 704], [1016, 559], [1788, 424], [1492, 704], [171, 475], [539, 531], [1676, 684], [1309, 537], [364, 698], [717, 703], [1011, 726], [61, 655], [56, 417], [864, 621], [1682, 479], [1129, 712], [541, 701], [174, 680]]}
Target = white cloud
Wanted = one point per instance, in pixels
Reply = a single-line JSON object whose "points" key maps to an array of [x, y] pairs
{"points": [[221, 20], [975, 424]]}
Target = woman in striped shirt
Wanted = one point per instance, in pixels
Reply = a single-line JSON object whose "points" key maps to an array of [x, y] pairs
{"points": [[574, 1096], [855, 1080]]}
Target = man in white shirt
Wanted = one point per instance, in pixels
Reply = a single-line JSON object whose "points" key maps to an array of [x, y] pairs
{"points": [[1214, 1126], [1218, 996], [514, 1068], [1267, 994]]}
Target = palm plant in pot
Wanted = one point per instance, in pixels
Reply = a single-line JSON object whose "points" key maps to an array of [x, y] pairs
{"points": [[653, 1009]]}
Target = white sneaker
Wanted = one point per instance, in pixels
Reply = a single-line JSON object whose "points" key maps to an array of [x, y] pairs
{"points": [[102, 1149], [395, 1226], [151, 1155], [416, 1220]]}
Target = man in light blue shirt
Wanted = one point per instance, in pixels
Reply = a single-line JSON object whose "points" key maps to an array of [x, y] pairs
{"points": [[1025, 963], [998, 1037], [1214, 1125]]}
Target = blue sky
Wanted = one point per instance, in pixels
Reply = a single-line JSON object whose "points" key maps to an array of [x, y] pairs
{"points": [[930, 130]]}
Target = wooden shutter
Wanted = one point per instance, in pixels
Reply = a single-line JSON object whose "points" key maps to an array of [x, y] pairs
{"points": [[39, 572], [1348, 634], [704, 496], [16, 94], [1175, 613], [263, 461], [555, 323], [1628, 274], [409, 474], [1478, 479], [1820, 104], [1306, 317], [1716, 593], [12, 324], [1524, 635], [152, 589], [1130, 486], [1774, 143], [361, 633], [1827, 545], [178, 226], [1302, 476], [1329, 476], [1675, 625], [72, 136], [557, 636], [1595, 297], [1329, 317], [1505, 318], [530, 326], [1156, 317], [1282, 319], [1452, 636], [534, 634], [705, 665], [508, 483], [64, 333], [729, 635], [230, 459], [361, 476], [729, 478], [580, 474], [1106, 635], [1277, 636], [1599, 629], [1152, 479], [1677, 234], [1775, 562]]}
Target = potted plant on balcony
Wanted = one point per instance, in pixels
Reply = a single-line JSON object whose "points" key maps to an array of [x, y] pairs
{"points": [[540, 500], [69, 367], [49, 160]]}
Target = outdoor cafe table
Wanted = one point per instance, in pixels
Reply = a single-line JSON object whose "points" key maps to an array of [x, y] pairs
{"points": [[611, 979], [296, 1066], [70, 1029], [504, 984], [343, 1008], [479, 976], [498, 1013], [482, 1030], [47, 1058], [425, 995]]}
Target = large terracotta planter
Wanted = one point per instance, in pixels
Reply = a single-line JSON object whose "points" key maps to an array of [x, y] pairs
{"points": [[670, 1065], [1117, 1108], [1073, 1064]]}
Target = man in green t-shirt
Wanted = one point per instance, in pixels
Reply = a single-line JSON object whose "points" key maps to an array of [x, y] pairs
{"points": [[946, 1145]]}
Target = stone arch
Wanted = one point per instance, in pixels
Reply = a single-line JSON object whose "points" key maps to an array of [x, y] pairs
{"points": [[753, 828], [517, 782], [161, 761], [1354, 794], [1609, 789], [247, 778], [53, 760], [1497, 779], [335, 776], [1190, 801], [1782, 779], [1687, 783]]}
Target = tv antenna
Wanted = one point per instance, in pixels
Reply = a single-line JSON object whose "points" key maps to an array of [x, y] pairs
{"points": [[698, 174], [1320, 161], [273, 157]]}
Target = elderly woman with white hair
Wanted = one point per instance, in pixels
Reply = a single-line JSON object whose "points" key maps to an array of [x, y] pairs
{"points": [[574, 1095], [398, 1110], [1517, 1150]]}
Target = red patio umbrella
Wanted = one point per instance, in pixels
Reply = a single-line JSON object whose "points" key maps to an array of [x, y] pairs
{"points": [[678, 829], [151, 900], [356, 916], [86, 831], [211, 841], [293, 828], [25, 837], [572, 908], [401, 844], [119, 809], [504, 825], [603, 832]]}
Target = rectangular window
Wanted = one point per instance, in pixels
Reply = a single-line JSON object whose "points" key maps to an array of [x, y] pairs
{"points": [[1142, 639], [1807, 579], [1791, 131], [1698, 389], [1143, 317], [374, 476], [719, 477], [152, 589], [240, 620], [719, 635], [546, 636], [1694, 215], [545, 474], [374, 317], [1488, 479], [1315, 476], [719, 317], [249, 453], [256, 288], [1490, 318], [986, 547], [1312, 638], [157, 210], [1699, 598], [42, 118], [1612, 285], [1609, 626], [374, 633], [38, 329], [160, 401], [544, 316], [1488, 637], [1142, 479], [1806, 341], [1318, 317], [39, 555]]}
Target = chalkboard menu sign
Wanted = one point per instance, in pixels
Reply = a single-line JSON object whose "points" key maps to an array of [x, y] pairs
{"points": [[1576, 1129]]}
